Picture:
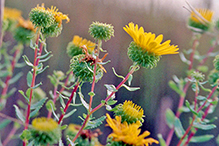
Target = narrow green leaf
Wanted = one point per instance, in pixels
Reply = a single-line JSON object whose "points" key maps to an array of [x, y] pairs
{"points": [[38, 104], [170, 117], [16, 78], [22, 93], [44, 56], [161, 140], [130, 88], [4, 73], [176, 88], [70, 113], [84, 103], [71, 143], [111, 88], [46, 59], [203, 138], [41, 70], [4, 123], [37, 85], [178, 128], [204, 126], [11, 92], [111, 102], [95, 123], [119, 76], [34, 113], [19, 114], [29, 78], [62, 101], [57, 118], [27, 61], [130, 79], [183, 58], [191, 109]]}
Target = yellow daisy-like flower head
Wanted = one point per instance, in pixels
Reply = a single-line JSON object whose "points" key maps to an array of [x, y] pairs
{"points": [[44, 124], [45, 131], [200, 20], [74, 47], [147, 49], [127, 133], [10, 13], [129, 112], [58, 15]]}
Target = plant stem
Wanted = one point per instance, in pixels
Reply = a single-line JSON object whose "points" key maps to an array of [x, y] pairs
{"points": [[69, 101], [94, 74], [100, 105], [32, 83], [13, 63], [182, 98], [10, 135], [199, 109]]}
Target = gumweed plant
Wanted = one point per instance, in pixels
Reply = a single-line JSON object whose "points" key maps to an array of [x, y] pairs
{"points": [[87, 66]]}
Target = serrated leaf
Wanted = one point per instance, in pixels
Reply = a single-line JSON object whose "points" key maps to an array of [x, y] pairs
{"points": [[170, 117], [34, 113], [130, 88], [70, 113], [204, 126], [203, 138], [4, 123], [111, 88], [161, 140], [27, 61], [119, 76], [19, 114], [29, 78], [38, 104], [84, 103], [22, 93], [174, 87], [16, 78], [95, 123], [178, 128]]}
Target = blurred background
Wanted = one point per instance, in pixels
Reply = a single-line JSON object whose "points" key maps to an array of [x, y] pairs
{"points": [[167, 17]]}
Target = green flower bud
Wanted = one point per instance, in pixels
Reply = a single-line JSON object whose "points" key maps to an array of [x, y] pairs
{"points": [[142, 57], [198, 76], [23, 35], [83, 69], [41, 17], [52, 31], [101, 31], [213, 77]]}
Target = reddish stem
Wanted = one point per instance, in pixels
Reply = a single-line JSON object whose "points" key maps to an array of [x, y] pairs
{"points": [[10, 135], [182, 98], [68, 103], [100, 105], [14, 61]]}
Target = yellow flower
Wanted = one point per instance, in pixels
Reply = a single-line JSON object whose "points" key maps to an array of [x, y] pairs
{"points": [[12, 14], [44, 124], [128, 133], [202, 15], [58, 15], [79, 41], [26, 24], [149, 42]]}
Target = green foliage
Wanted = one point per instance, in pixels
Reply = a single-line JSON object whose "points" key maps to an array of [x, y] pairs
{"points": [[170, 118], [95, 123]]}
